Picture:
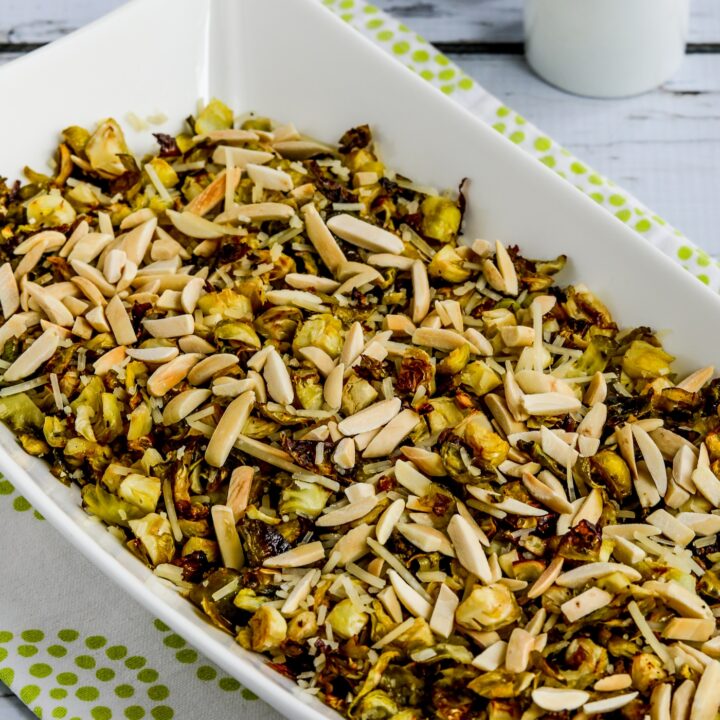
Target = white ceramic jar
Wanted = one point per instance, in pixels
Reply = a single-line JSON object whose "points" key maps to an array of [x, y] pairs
{"points": [[605, 48]]}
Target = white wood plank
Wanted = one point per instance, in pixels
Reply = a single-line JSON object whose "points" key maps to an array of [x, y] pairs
{"points": [[32, 21], [12, 709], [664, 146]]}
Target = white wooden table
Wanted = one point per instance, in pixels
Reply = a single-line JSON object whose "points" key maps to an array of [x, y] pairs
{"points": [[663, 146]]}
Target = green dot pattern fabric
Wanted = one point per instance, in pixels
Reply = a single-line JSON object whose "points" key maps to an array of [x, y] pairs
{"points": [[72, 644]]}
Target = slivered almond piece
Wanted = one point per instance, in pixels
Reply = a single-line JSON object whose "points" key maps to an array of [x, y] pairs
{"points": [[191, 293], [690, 629], [506, 268], [97, 320], [607, 705], [51, 306], [353, 544], [517, 655], [660, 702], [583, 574], [559, 699], [546, 495], [214, 193], [119, 321], [696, 381], [168, 375], [469, 551], [585, 603], [707, 698], [707, 485], [298, 298], [39, 352], [492, 657], [390, 436], [348, 513], [353, 345], [428, 462], [478, 341], [277, 378], [299, 556], [679, 598], [509, 505], [493, 276], [9, 293], [195, 344], [166, 247], [194, 226], [556, 448], [364, 235], [227, 537], [90, 246], [627, 552], [399, 324], [229, 428], [240, 156], [301, 149], [371, 418], [700, 523], [645, 487], [136, 218], [301, 281], [82, 328], [109, 360], [613, 683], [113, 265], [684, 463], [591, 508], [357, 281], [170, 327], [630, 530], [269, 178], [229, 135], [502, 416], [344, 456], [322, 239], [257, 212], [426, 538], [626, 443], [442, 619], [439, 339], [388, 520], [333, 387], [319, 358], [552, 403], [209, 366], [671, 527], [669, 442], [137, 241], [596, 390], [653, 458], [411, 479], [28, 262], [300, 591], [421, 291], [517, 336], [682, 697], [412, 600], [183, 404], [388, 260], [594, 421], [94, 276], [49, 240]]}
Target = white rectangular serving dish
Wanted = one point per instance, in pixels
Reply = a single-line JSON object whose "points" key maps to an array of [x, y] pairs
{"points": [[295, 61]]}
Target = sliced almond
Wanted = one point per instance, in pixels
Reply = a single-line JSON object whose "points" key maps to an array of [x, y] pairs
{"points": [[585, 603], [39, 352], [707, 485], [364, 235], [301, 149], [28, 262], [645, 487], [90, 246], [390, 436], [559, 699], [596, 390], [299, 556], [333, 387], [227, 537], [9, 293], [300, 592], [469, 550], [492, 657], [214, 193], [690, 629], [240, 156], [353, 545], [671, 527], [696, 381], [388, 520], [669, 443], [191, 294], [439, 339], [517, 336], [591, 508], [257, 212], [269, 178], [344, 455], [322, 239], [94, 276], [371, 418], [493, 276], [183, 404], [119, 321], [679, 598], [388, 260], [229, 428], [229, 135], [421, 291], [546, 495], [428, 462], [348, 513], [210, 366], [700, 523], [583, 574], [552, 403], [517, 655], [613, 683], [608, 705], [426, 538], [411, 479], [49, 240], [298, 298], [170, 327], [412, 600], [652, 456], [684, 462], [627, 552], [506, 268], [319, 358], [137, 241], [277, 378], [113, 265], [442, 619], [681, 701], [51, 306], [111, 359], [136, 218], [168, 375], [195, 344], [707, 698], [301, 281], [97, 320]]}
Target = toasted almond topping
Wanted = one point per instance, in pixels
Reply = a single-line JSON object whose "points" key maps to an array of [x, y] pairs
{"points": [[493, 276], [332, 390], [227, 537], [90, 246], [348, 513], [653, 457], [300, 591], [388, 260], [546, 495], [585, 603], [214, 193], [136, 218], [682, 697], [558, 450], [492, 657], [94, 276], [168, 375], [613, 683], [388, 520], [51, 306], [269, 178], [194, 226], [428, 462], [607, 705], [596, 390], [257, 212], [210, 366], [137, 241], [385, 442], [426, 538], [239, 490], [113, 265], [183, 404], [671, 527], [48, 240], [412, 600], [679, 598], [506, 268], [9, 293], [319, 358], [277, 378], [322, 239], [700, 523], [707, 698], [109, 360], [517, 336], [443, 614], [229, 428], [559, 699], [39, 352], [170, 327], [298, 298], [299, 556], [469, 551], [411, 479], [364, 235], [552, 403], [583, 574], [690, 629], [353, 345], [240, 156], [707, 484], [547, 579], [300, 281], [195, 344], [439, 339], [371, 418], [696, 381], [591, 508], [421, 291], [97, 320], [301, 149], [119, 321], [627, 552], [344, 456], [191, 294]]}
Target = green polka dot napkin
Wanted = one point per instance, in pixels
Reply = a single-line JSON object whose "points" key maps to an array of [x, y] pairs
{"points": [[72, 645]]}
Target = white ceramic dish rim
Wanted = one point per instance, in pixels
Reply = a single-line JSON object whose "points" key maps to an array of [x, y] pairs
{"points": [[46, 494]]}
